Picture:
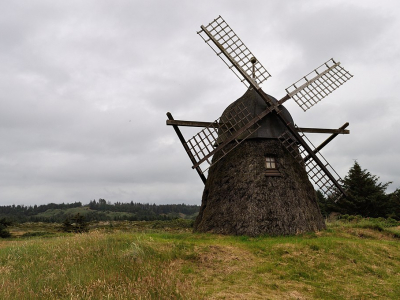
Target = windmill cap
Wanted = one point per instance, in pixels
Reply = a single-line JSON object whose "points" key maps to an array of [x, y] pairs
{"points": [[271, 125]]}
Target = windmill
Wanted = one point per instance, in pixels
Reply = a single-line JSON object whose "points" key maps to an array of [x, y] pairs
{"points": [[258, 161]]}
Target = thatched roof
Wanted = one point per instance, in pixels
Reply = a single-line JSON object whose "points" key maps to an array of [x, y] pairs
{"points": [[271, 125]]}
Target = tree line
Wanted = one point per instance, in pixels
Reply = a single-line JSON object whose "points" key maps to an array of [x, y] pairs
{"points": [[23, 210], [132, 207], [100, 210]]}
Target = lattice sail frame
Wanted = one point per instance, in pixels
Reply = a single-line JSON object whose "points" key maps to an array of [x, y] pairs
{"points": [[205, 142], [318, 84], [235, 48], [314, 171]]}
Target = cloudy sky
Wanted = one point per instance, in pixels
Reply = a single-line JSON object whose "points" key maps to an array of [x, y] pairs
{"points": [[85, 86]]}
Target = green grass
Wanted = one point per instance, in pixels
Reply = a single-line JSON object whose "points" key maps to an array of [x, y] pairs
{"points": [[164, 260]]}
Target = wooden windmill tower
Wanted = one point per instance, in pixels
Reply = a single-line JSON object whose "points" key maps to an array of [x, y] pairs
{"points": [[258, 161]]}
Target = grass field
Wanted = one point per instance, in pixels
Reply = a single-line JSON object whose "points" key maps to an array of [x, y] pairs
{"points": [[164, 260]]}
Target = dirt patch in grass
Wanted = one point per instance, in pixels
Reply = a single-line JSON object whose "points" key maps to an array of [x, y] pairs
{"points": [[388, 234], [227, 272], [368, 234], [213, 255], [16, 232]]}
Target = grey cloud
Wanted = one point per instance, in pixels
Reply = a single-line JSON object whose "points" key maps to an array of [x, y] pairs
{"points": [[86, 85]]}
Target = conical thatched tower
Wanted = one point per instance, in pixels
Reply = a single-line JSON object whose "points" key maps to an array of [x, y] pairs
{"points": [[258, 188]]}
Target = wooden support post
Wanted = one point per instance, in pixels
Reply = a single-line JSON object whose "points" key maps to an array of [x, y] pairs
{"points": [[192, 123], [180, 136]]}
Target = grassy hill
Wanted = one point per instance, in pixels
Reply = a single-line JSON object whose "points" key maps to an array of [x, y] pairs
{"points": [[165, 260]]}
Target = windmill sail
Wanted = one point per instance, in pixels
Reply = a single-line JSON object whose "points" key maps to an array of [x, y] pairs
{"points": [[318, 84], [314, 171], [236, 55]]}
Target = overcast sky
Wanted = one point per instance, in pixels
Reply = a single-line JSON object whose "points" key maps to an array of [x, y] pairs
{"points": [[85, 86]]}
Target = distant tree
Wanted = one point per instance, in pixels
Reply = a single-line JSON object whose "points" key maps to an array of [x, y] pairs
{"points": [[102, 204], [365, 195], [4, 233], [80, 223], [322, 203], [93, 204], [67, 225], [75, 224]]}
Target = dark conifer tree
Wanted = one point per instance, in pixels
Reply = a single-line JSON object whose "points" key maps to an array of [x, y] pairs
{"points": [[80, 223], [393, 208], [67, 225], [365, 195], [4, 233]]}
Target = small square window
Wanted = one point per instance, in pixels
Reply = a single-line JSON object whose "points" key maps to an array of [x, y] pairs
{"points": [[270, 163], [271, 167]]}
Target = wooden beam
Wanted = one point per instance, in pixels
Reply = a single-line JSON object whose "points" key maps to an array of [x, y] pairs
{"points": [[180, 136], [190, 123], [324, 143], [324, 130], [216, 125]]}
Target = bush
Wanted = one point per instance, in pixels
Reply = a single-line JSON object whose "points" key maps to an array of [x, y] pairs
{"points": [[79, 224], [4, 233], [371, 223]]}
